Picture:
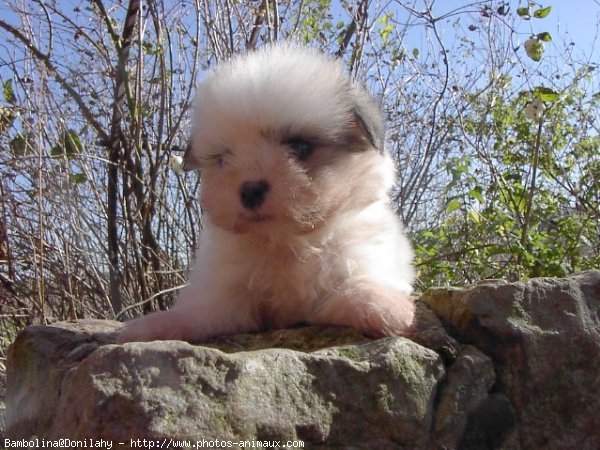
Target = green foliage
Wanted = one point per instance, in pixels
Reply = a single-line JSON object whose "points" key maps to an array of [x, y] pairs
{"points": [[542, 12], [7, 114], [544, 36], [546, 94], [78, 178], [7, 118], [539, 13], [386, 28], [9, 93], [506, 223], [317, 20], [523, 12], [534, 46], [534, 49], [522, 197], [69, 145]]}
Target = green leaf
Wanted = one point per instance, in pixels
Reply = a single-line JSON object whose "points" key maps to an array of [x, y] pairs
{"points": [[78, 178], [453, 205], [18, 145], [523, 12], [387, 28], [415, 52], [475, 216], [545, 36], [476, 193], [69, 146], [9, 93], [385, 18], [73, 145], [534, 49], [56, 151], [546, 94], [7, 118], [542, 12], [148, 48]]}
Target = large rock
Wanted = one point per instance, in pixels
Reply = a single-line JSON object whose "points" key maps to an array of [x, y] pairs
{"points": [[544, 339], [520, 371]]}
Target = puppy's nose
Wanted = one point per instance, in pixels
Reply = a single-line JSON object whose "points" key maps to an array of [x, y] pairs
{"points": [[253, 193]]}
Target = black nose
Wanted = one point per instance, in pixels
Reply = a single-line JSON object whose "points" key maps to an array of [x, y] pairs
{"points": [[252, 193]]}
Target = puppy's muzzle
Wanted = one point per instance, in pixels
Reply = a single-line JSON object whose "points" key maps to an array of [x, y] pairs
{"points": [[253, 193]]}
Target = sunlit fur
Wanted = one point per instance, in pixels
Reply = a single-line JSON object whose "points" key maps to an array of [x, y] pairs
{"points": [[323, 246]]}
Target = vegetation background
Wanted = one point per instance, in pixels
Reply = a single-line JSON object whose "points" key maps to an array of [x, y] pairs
{"points": [[493, 120]]}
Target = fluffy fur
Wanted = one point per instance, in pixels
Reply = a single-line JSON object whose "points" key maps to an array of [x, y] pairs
{"points": [[295, 192]]}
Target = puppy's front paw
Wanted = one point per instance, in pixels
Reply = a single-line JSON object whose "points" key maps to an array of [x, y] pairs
{"points": [[162, 325], [371, 308], [391, 314]]}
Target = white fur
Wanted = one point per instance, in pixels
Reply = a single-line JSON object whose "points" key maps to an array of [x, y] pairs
{"points": [[324, 247]]}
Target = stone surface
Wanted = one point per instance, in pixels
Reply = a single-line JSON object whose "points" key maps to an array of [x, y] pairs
{"points": [[519, 369], [544, 339]]}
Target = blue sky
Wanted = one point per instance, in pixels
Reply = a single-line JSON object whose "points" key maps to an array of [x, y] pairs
{"points": [[577, 18]]}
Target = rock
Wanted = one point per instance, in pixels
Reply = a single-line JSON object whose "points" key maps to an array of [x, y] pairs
{"points": [[517, 370], [456, 400], [329, 387], [544, 339], [35, 374], [375, 391]]}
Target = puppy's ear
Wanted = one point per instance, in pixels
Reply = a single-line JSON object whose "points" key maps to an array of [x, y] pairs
{"points": [[366, 127], [190, 161]]}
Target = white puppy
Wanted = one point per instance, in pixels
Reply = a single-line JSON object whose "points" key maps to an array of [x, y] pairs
{"points": [[295, 192]]}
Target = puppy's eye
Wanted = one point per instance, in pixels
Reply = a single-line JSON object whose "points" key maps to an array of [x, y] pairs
{"points": [[216, 160], [301, 148]]}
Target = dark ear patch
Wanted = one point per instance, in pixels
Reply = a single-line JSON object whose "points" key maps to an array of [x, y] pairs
{"points": [[358, 124], [365, 126], [365, 130]]}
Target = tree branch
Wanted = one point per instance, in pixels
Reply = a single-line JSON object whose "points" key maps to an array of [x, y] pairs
{"points": [[45, 59]]}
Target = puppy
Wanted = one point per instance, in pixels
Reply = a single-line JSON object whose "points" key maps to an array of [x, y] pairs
{"points": [[295, 193]]}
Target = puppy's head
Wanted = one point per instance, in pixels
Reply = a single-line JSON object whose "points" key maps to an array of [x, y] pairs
{"points": [[285, 142]]}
